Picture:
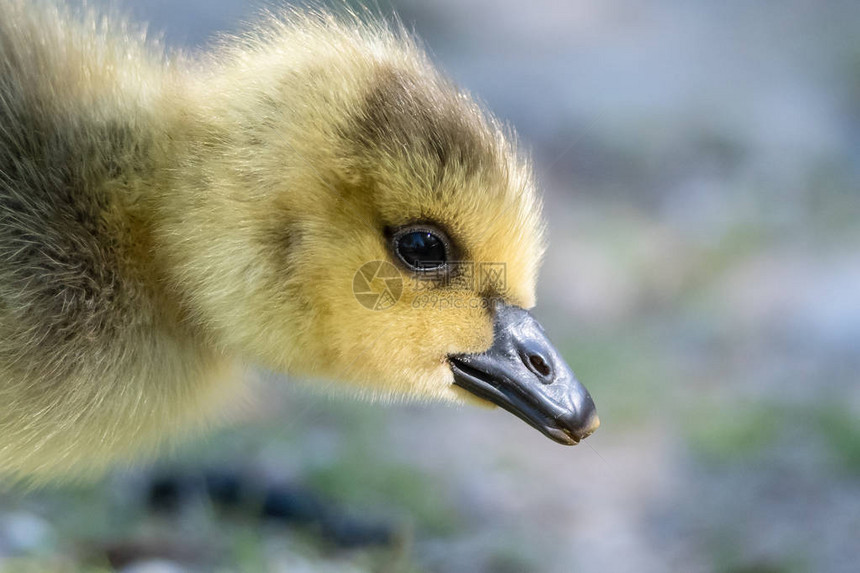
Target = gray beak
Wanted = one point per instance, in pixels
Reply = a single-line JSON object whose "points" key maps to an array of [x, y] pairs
{"points": [[524, 374]]}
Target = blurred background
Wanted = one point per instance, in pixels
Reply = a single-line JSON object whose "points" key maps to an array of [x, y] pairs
{"points": [[701, 167]]}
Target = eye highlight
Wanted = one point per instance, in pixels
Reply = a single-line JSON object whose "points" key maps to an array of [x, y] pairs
{"points": [[421, 248]]}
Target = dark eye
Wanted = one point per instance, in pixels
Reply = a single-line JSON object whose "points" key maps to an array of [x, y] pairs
{"points": [[421, 249]]}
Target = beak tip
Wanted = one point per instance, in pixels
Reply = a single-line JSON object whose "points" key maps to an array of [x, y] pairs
{"points": [[591, 427], [580, 429]]}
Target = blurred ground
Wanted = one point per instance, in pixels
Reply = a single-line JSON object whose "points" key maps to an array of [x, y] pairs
{"points": [[701, 164]]}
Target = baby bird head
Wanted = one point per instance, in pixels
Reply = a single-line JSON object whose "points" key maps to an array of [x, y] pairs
{"points": [[349, 214]]}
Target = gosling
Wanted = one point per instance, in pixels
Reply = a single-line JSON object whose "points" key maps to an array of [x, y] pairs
{"points": [[312, 197]]}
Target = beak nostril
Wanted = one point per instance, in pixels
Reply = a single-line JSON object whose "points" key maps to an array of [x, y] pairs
{"points": [[539, 364]]}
